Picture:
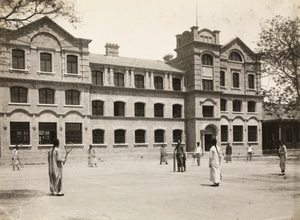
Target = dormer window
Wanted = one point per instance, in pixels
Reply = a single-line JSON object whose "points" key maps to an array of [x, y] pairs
{"points": [[235, 57]]}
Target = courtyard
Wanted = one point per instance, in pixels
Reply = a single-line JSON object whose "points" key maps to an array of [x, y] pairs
{"points": [[142, 189]]}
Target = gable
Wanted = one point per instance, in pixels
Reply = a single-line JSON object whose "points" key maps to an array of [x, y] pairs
{"points": [[240, 47]]}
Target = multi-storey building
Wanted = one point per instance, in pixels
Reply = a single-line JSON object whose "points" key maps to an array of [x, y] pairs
{"points": [[51, 86]]}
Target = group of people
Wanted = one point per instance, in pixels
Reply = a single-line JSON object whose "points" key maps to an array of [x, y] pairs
{"points": [[56, 161]]}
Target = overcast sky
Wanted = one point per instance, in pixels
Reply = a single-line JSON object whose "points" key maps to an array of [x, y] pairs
{"points": [[147, 28]]}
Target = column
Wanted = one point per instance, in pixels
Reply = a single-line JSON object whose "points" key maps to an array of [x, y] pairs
{"points": [[166, 81], [171, 81], [132, 78], [105, 77], [112, 83], [152, 80], [183, 83], [147, 80], [127, 80]]}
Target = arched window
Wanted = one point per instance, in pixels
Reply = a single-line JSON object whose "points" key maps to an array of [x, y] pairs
{"points": [[235, 57], [177, 135], [18, 95], [236, 106], [119, 79], [72, 97], [120, 136], [176, 84], [140, 136], [158, 82], [72, 64], [159, 136], [139, 109], [97, 77], [251, 106], [18, 59], [207, 60], [139, 81], [177, 111], [98, 136], [97, 107], [46, 96], [119, 109], [223, 106], [158, 110], [46, 62]]}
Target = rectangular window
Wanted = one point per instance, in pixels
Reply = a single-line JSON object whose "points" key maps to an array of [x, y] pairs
{"points": [[139, 110], [140, 136], [208, 111], [224, 133], [158, 111], [72, 64], [207, 84], [46, 62], [252, 133], [18, 59], [119, 109], [18, 95], [19, 133], [47, 132], [237, 133], [98, 136], [251, 81], [159, 136], [222, 78], [74, 133], [236, 80], [46, 96], [120, 136], [177, 135], [223, 105]]}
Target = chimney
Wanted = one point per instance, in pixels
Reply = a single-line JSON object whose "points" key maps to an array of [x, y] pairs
{"points": [[112, 50]]}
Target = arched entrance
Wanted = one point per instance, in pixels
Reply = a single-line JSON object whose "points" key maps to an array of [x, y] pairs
{"points": [[208, 132]]}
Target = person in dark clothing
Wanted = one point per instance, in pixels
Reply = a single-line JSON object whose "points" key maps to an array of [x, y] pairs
{"points": [[228, 153], [180, 155]]}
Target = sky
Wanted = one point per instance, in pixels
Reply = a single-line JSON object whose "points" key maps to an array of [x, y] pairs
{"points": [[147, 28]]}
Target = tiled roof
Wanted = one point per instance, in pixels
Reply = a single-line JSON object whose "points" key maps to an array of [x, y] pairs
{"points": [[133, 62]]}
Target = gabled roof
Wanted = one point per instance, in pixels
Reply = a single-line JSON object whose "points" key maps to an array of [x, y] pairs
{"points": [[239, 42], [132, 63], [51, 23]]}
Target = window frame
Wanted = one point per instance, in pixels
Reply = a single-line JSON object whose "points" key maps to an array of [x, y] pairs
{"points": [[237, 133], [98, 136], [224, 133], [140, 136], [18, 62], [177, 136], [119, 138], [251, 81], [235, 106], [252, 108], [48, 130], [222, 78], [18, 94], [72, 65], [206, 113], [19, 133], [46, 64], [207, 60], [139, 81], [72, 134], [119, 79], [97, 77], [207, 84], [176, 84], [236, 80], [72, 99], [49, 96], [252, 134], [159, 136], [139, 109], [177, 111], [119, 109], [235, 56], [159, 85], [223, 105], [97, 110], [158, 113]]}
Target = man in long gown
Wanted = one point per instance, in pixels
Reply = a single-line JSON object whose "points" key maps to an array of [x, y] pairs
{"points": [[215, 162], [180, 156], [55, 163], [282, 152], [15, 158]]}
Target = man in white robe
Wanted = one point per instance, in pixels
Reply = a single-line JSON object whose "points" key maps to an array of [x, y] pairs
{"points": [[215, 162], [55, 163]]}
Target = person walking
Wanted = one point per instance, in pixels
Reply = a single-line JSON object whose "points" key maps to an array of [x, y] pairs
{"points": [[15, 158], [249, 152], [282, 153], [215, 163], [180, 155], [198, 151], [163, 154], [228, 153], [92, 157], [55, 165]]}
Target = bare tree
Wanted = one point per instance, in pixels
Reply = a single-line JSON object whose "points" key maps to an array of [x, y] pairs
{"points": [[280, 48], [16, 13]]}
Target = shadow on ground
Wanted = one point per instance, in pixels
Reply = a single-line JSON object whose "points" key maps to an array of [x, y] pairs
{"points": [[20, 194]]}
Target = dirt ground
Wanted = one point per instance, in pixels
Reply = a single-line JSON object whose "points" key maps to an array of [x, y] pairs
{"points": [[142, 189]]}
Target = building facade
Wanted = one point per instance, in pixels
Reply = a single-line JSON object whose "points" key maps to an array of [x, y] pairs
{"points": [[51, 86]]}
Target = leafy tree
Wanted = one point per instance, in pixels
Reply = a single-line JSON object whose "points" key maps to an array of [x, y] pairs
{"points": [[280, 49], [16, 13]]}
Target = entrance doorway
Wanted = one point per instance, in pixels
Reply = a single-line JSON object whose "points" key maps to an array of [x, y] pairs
{"points": [[207, 141]]}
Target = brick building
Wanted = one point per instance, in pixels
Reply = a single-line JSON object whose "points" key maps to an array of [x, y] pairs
{"points": [[51, 86]]}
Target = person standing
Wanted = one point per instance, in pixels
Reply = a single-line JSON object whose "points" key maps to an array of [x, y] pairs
{"points": [[282, 153], [55, 165], [228, 153], [198, 152], [215, 163], [92, 157], [249, 152], [15, 158], [180, 155], [163, 154]]}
